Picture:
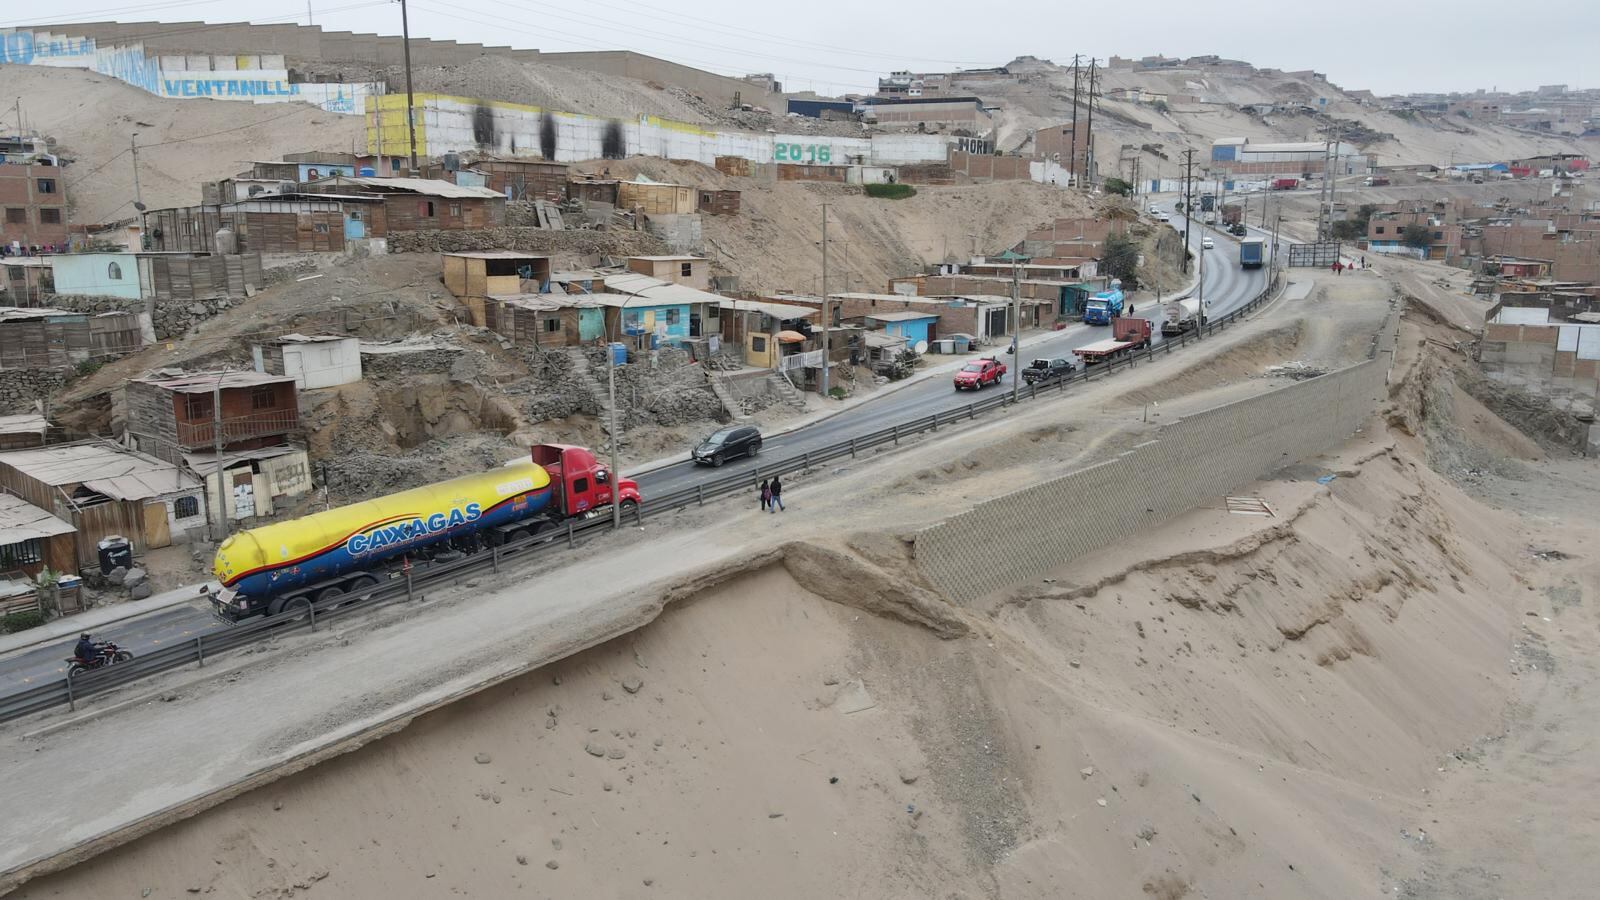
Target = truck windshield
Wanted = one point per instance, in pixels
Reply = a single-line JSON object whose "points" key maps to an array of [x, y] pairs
{"points": [[972, 367], [1097, 304]]}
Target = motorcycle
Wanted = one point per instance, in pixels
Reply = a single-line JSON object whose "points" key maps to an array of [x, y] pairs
{"points": [[110, 654]]}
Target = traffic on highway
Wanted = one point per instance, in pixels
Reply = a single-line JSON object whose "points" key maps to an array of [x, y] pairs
{"points": [[1226, 287]]}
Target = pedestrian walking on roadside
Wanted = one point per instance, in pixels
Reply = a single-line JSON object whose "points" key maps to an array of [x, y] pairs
{"points": [[766, 494], [776, 489]]}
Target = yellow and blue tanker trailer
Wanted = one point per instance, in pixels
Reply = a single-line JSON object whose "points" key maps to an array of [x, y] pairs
{"points": [[328, 554]]}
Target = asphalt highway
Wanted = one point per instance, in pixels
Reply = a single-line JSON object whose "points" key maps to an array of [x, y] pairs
{"points": [[1226, 287]]}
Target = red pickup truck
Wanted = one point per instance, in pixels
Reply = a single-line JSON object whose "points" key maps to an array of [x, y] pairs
{"points": [[979, 373]]}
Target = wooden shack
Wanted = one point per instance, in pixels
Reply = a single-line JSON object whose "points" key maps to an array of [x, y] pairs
{"points": [[655, 199], [488, 273], [719, 203]]}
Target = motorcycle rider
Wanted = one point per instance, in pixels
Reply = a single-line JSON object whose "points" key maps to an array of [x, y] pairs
{"points": [[87, 650]]}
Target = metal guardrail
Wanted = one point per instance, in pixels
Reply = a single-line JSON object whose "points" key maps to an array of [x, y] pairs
{"points": [[70, 690]]}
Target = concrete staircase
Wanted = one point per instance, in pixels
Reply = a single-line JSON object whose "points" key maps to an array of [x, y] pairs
{"points": [[729, 402], [785, 389], [596, 380]]}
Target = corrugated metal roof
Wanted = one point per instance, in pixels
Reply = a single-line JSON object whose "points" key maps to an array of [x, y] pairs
{"points": [[26, 423], [26, 313], [495, 254], [206, 382], [431, 187], [669, 258], [22, 521], [654, 290], [117, 472], [204, 464]]}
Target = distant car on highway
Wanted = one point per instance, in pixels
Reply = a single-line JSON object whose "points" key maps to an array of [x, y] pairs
{"points": [[979, 373], [1238, 229], [1154, 209], [1163, 217], [728, 443], [1207, 243]]}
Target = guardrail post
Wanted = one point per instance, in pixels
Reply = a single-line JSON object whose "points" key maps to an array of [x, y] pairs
{"points": [[897, 435], [700, 493], [200, 650], [409, 594], [972, 410], [852, 448], [569, 534], [494, 559], [311, 612], [935, 419], [72, 702], [805, 460], [638, 514]]}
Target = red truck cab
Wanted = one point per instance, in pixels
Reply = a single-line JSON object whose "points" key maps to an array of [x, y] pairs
{"points": [[980, 372], [580, 483]]}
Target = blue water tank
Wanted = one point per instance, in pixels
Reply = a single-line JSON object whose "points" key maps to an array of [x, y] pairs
{"points": [[367, 172], [619, 354]]}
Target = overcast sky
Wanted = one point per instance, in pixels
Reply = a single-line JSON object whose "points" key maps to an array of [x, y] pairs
{"points": [[833, 46]]}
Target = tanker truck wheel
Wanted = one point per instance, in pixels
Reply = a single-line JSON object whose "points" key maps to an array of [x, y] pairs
{"points": [[329, 600], [363, 583]]}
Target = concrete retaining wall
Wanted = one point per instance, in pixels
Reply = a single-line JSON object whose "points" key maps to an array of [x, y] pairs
{"points": [[1029, 532]]}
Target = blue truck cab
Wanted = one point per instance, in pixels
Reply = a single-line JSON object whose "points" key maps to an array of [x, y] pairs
{"points": [[1101, 308]]}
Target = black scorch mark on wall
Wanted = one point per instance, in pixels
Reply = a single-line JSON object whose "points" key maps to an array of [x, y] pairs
{"points": [[547, 136], [483, 130], [613, 144]]}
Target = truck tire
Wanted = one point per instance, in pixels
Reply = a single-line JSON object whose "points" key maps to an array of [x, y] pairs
{"points": [[328, 599], [363, 583], [297, 609]]}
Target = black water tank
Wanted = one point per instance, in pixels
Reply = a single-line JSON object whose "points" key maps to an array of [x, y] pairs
{"points": [[115, 551]]}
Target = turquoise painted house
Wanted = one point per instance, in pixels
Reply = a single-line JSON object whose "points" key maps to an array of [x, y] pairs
{"points": [[913, 326]]}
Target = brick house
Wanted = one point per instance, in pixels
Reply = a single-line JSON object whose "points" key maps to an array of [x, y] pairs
{"points": [[33, 197]]}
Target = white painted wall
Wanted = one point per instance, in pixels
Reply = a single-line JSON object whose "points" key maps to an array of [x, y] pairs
{"points": [[324, 363]]}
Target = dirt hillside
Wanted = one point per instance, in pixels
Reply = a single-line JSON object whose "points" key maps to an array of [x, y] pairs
{"points": [[182, 142], [1319, 704]]}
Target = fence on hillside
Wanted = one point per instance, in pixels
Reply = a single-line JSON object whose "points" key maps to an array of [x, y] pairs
{"points": [[1026, 533]]}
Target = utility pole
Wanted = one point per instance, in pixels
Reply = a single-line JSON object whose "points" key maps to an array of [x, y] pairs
{"points": [[1016, 331], [133, 145], [411, 113], [825, 316], [224, 491], [1188, 206], [1200, 296], [1088, 136], [1072, 148]]}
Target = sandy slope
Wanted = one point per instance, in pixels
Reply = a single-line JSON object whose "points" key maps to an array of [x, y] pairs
{"points": [[1345, 700], [92, 117]]}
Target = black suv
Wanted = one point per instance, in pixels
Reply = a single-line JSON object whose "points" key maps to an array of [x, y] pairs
{"points": [[728, 443]]}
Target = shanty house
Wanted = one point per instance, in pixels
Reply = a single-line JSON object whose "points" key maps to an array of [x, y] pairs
{"points": [[689, 271], [102, 490], [165, 275], [657, 199], [313, 361], [490, 273], [663, 312], [913, 326], [418, 204], [269, 223], [168, 417], [32, 539], [41, 337]]}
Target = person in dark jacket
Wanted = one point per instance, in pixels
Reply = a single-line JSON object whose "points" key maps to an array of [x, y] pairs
{"points": [[776, 487], [87, 650], [766, 494]]}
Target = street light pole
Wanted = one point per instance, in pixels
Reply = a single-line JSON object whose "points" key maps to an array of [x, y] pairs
{"points": [[223, 494]]}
